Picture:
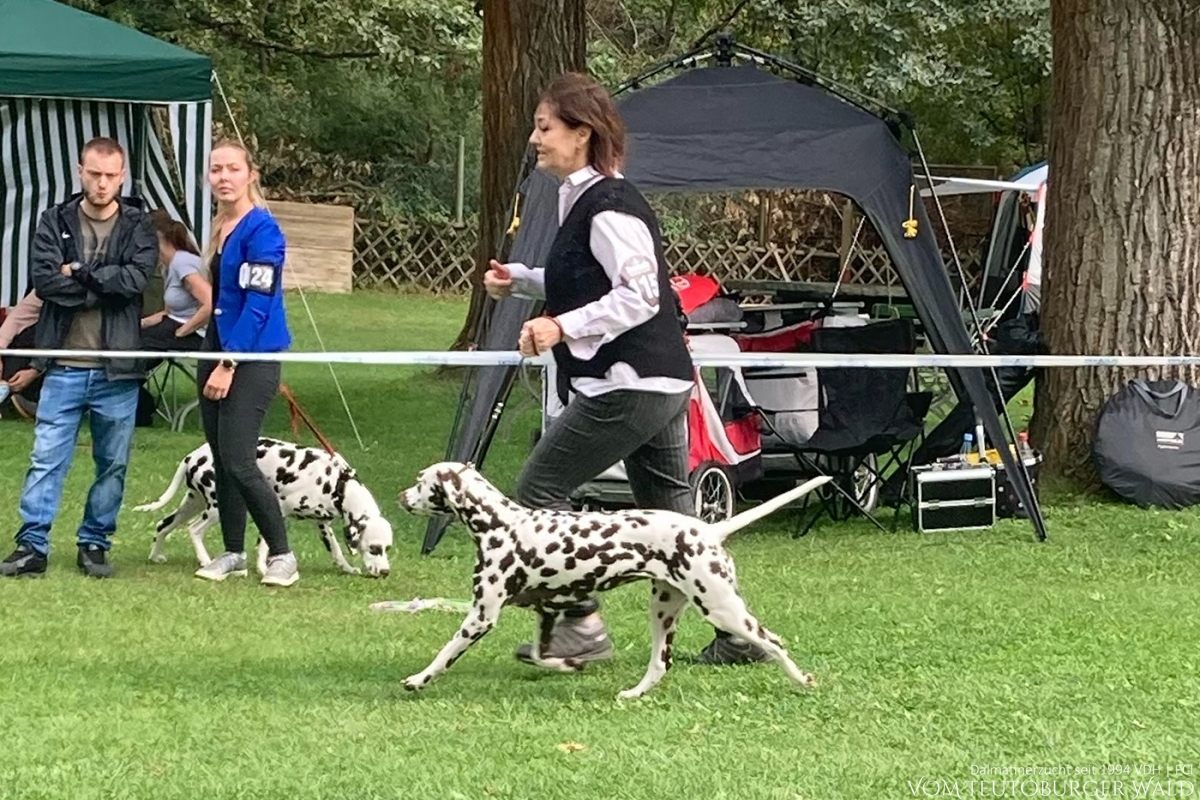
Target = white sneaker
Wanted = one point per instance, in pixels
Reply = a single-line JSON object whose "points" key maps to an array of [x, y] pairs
{"points": [[223, 566], [281, 570]]}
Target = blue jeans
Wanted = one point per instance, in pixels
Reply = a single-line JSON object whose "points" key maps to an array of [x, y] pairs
{"points": [[67, 393]]}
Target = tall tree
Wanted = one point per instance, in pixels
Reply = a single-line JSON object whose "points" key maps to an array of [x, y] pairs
{"points": [[525, 44], [1123, 220]]}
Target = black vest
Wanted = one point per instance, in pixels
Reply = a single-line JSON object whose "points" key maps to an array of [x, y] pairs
{"points": [[574, 278]]}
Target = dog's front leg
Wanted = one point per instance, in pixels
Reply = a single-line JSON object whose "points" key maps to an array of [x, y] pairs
{"points": [[666, 604], [480, 619], [335, 549]]}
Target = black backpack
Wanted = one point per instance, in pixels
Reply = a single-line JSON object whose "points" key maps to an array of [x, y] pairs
{"points": [[1147, 446]]}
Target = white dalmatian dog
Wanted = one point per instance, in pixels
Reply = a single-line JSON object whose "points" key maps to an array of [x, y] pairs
{"points": [[549, 560], [310, 484]]}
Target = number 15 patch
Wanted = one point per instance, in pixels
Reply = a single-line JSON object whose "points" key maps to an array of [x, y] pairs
{"points": [[257, 278]]}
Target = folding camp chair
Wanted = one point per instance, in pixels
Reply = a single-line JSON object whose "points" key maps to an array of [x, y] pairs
{"points": [[173, 384], [859, 426]]}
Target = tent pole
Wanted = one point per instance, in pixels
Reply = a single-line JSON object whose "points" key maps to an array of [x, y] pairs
{"points": [[962, 275], [845, 92], [1012, 273], [1004, 415], [436, 527], [139, 148], [857, 99], [481, 334], [677, 62]]}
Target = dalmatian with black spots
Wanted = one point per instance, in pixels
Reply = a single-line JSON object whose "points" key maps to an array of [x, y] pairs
{"points": [[549, 560], [310, 484]]}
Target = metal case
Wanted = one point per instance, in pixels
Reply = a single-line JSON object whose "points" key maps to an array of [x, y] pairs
{"points": [[961, 497]]}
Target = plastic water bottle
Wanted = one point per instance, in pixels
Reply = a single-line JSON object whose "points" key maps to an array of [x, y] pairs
{"points": [[968, 446], [1024, 451], [4, 392]]}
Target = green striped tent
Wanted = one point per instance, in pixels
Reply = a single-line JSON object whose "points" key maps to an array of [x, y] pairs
{"points": [[67, 76]]}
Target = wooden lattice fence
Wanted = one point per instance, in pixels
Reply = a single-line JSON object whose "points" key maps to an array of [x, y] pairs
{"points": [[432, 257], [438, 258]]}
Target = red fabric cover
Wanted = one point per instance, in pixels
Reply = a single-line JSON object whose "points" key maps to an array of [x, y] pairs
{"points": [[700, 444], [745, 434], [694, 290], [782, 340]]}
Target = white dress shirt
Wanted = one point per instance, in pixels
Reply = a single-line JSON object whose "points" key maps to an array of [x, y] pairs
{"points": [[624, 247]]}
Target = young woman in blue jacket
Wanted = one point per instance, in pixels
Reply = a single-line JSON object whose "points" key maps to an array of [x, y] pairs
{"points": [[246, 265]]}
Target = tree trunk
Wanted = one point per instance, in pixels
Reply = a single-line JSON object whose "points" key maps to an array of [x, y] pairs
{"points": [[526, 43], [1122, 255]]}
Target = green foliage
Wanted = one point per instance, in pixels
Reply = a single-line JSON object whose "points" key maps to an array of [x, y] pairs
{"points": [[355, 100], [364, 100]]}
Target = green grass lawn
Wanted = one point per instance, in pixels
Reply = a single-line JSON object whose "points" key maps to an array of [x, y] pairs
{"points": [[936, 654]]}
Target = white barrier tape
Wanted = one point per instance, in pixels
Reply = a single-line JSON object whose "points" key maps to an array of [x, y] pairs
{"points": [[477, 358], [501, 358]]}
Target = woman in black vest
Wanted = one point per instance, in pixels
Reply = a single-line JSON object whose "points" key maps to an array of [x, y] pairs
{"points": [[612, 322]]}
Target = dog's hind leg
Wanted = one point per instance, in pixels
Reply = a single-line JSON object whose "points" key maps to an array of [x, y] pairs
{"points": [[164, 527], [335, 549], [187, 509], [722, 606], [666, 604], [480, 619], [196, 532]]}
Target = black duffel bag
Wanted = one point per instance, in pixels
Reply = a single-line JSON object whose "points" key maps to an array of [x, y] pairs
{"points": [[1147, 446]]}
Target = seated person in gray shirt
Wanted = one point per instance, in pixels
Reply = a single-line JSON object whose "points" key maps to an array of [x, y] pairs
{"points": [[187, 294]]}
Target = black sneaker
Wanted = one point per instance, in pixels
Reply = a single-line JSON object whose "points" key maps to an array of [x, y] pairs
{"points": [[573, 640], [727, 650], [23, 562], [93, 561]]}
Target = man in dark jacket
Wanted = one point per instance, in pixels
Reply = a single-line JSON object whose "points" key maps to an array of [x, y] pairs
{"points": [[92, 258]]}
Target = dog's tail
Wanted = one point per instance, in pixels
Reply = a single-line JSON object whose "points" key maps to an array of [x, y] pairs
{"points": [[735, 523], [169, 493]]}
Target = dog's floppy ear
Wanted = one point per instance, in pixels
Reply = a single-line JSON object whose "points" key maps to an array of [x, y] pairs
{"points": [[450, 477], [440, 491], [353, 534]]}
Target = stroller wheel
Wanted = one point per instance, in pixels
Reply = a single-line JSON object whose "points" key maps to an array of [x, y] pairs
{"points": [[712, 491]]}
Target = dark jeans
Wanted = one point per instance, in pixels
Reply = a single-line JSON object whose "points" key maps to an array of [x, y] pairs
{"points": [[162, 337], [646, 429], [232, 427]]}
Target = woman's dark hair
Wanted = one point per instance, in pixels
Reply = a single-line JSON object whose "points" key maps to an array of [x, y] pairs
{"points": [[577, 99], [174, 232]]}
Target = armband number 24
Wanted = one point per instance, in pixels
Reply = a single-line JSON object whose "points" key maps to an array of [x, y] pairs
{"points": [[257, 277]]}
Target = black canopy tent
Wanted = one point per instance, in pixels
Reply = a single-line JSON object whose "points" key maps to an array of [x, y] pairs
{"points": [[724, 128]]}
